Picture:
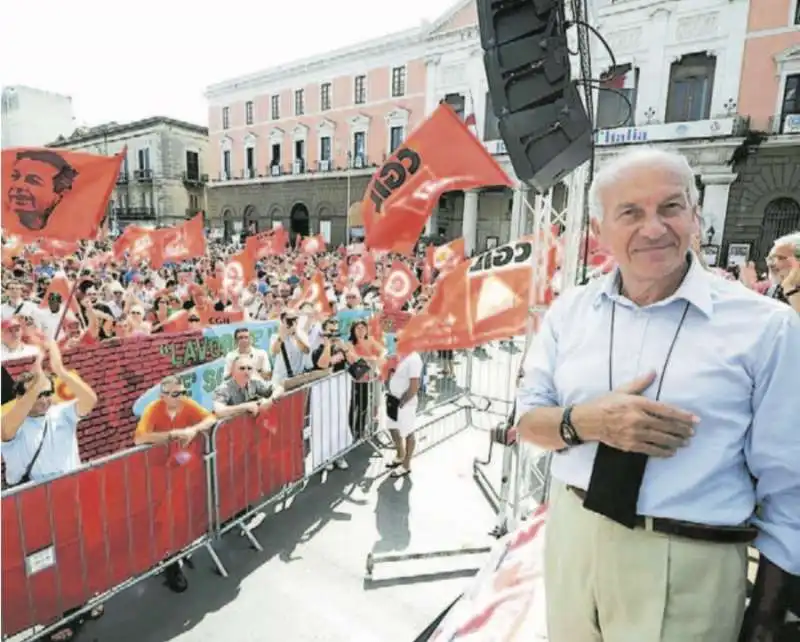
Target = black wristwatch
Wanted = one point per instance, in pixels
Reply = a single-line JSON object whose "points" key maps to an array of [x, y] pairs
{"points": [[567, 431], [791, 292]]}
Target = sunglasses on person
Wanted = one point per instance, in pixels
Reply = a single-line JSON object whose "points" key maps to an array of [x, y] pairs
{"points": [[194, 319], [174, 394], [46, 393]]}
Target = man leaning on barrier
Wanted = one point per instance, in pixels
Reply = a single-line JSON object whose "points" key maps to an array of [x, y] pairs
{"points": [[173, 417], [670, 398], [243, 393], [40, 437]]}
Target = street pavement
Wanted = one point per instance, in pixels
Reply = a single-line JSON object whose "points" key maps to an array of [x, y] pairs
{"points": [[309, 585]]}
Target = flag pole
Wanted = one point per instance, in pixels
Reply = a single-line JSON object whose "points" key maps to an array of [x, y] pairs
{"points": [[347, 205], [71, 296]]}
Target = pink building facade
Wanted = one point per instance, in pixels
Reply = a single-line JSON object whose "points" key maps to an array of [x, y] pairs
{"points": [[765, 199], [297, 144]]}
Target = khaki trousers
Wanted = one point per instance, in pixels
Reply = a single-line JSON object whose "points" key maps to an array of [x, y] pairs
{"points": [[607, 583]]}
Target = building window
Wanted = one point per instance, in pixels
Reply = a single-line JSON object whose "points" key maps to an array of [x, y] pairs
{"points": [[616, 100], [491, 124], [299, 102], [276, 155], [791, 99], [360, 148], [248, 112], [325, 96], [457, 102], [395, 138], [398, 82], [797, 12], [691, 83], [226, 164], [144, 158], [250, 161], [275, 107], [360, 90], [226, 117], [194, 202], [193, 166], [325, 148]]}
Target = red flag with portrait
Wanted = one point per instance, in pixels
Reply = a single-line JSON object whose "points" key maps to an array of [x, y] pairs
{"points": [[484, 299], [441, 155], [445, 257], [239, 271], [56, 194], [398, 286]]}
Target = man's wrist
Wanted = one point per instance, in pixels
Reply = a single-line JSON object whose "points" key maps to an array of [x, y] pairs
{"points": [[582, 422]]}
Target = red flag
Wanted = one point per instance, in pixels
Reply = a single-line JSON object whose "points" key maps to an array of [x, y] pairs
{"points": [[313, 245], [440, 155], [270, 243], [11, 250], [314, 293], [445, 257], [58, 249], [239, 271], [56, 194], [484, 299], [185, 241], [361, 270], [138, 242], [398, 287]]}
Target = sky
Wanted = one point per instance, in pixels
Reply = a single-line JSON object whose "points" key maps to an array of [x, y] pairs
{"points": [[130, 60]]}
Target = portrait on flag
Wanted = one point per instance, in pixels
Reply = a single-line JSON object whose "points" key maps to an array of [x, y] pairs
{"points": [[55, 194]]}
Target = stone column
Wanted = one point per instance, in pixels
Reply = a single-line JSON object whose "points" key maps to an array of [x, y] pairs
{"points": [[431, 225], [469, 226], [519, 212], [715, 204]]}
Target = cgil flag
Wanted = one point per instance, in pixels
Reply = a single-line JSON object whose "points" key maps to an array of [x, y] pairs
{"points": [[439, 156], [484, 299], [56, 194]]}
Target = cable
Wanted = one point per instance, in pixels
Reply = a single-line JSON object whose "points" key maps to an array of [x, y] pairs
{"points": [[597, 84]]}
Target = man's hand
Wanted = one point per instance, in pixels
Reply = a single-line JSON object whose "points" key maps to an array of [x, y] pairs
{"points": [[792, 279], [264, 404], [252, 407], [184, 435], [748, 275], [627, 421], [41, 381]]}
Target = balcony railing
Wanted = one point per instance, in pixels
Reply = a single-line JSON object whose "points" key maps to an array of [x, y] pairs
{"points": [[123, 178], [143, 175], [135, 213], [788, 124], [300, 168], [194, 179]]}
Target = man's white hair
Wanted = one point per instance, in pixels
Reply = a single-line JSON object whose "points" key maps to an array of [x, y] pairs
{"points": [[792, 239], [616, 171]]}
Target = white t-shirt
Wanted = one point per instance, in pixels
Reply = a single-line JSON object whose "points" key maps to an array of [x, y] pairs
{"points": [[409, 368], [22, 352], [297, 359], [10, 309], [48, 321], [59, 454], [260, 360]]}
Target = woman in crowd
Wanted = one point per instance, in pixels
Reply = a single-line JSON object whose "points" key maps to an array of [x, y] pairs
{"points": [[372, 352]]}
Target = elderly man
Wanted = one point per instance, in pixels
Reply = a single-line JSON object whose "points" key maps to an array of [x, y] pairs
{"points": [[670, 398], [243, 393], [784, 269]]}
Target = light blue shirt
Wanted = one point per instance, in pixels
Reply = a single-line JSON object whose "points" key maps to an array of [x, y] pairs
{"points": [[736, 365], [59, 454]]}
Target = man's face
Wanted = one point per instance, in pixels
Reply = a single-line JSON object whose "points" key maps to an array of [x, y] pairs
{"points": [[14, 291], [647, 223], [243, 341], [31, 192], [781, 261], [243, 371], [12, 333], [43, 401], [54, 302], [172, 394]]}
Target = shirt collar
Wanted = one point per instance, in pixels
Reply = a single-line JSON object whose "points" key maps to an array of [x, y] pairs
{"points": [[695, 288]]}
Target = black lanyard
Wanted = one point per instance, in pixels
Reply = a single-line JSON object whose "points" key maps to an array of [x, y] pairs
{"points": [[666, 361]]}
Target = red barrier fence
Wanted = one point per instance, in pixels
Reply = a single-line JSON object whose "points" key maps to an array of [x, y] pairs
{"points": [[87, 535], [69, 539]]}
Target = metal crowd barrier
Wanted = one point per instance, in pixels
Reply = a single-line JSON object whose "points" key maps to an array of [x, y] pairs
{"points": [[484, 386], [73, 542]]}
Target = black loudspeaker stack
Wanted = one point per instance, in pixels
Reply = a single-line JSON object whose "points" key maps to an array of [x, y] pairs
{"points": [[542, 118]]}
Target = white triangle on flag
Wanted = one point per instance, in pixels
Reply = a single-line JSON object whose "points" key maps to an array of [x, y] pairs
{"points": [[495, 297]]}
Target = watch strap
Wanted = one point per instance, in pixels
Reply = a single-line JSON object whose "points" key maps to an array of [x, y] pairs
{"points": [[567, 430]]}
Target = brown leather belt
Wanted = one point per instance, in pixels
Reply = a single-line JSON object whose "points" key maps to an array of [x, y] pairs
{"points": [[689, 530]]}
